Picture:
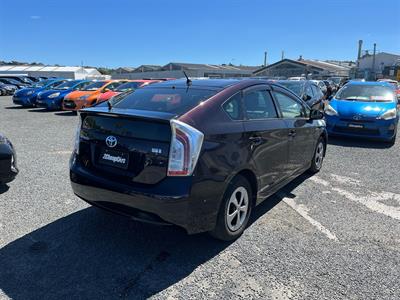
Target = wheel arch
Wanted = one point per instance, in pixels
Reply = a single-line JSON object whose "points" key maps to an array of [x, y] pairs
{"points": [[251, 177]]}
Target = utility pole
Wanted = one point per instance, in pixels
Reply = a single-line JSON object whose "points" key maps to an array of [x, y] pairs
{"points": [[283, 55], [265, 58], [373, 62]]}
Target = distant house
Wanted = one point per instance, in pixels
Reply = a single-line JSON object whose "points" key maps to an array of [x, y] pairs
{"points": [[302, 67], [175, 70], [383, 61]]}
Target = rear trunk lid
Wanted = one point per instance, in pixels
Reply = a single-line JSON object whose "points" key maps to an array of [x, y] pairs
{"points": [[126, 145]]}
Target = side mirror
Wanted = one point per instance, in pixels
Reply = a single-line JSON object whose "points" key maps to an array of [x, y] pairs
{"points": [[316, 114], [329, 98], [106, 90]]}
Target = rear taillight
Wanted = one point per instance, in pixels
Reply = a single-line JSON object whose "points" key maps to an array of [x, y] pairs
{"points": [[185, 149]]}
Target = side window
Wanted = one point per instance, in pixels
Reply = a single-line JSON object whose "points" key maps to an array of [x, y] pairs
{"points": [[233, 108], [290, 108], [316, 90], [309, 91], [259, 105], [81, 86], [54, 84]]}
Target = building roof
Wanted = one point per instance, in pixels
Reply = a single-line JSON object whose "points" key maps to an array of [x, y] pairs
{"points": [[26, 68], [320, 65], [193, 66]]}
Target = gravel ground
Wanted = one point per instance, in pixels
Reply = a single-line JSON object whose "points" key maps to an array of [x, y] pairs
{"points": [[335, 235]]}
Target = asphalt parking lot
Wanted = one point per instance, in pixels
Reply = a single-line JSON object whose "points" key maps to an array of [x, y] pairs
{"points": [[335, 235]]}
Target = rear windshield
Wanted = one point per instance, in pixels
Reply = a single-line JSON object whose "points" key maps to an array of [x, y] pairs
{"points": [[294, 86], [375, 93], [94, 86], [128, 86], [172, 100]]}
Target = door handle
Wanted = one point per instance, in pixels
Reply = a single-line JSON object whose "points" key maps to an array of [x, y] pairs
{"points": [[292, 132], [256, 140]]}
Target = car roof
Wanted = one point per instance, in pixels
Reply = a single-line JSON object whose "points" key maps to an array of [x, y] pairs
{"points": [[369, 83]]}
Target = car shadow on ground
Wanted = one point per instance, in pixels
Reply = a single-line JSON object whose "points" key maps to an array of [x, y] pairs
{"points": [[16, 107], [39, 110], [91, 254], [65, 113], [3, 188], [353, 142]]}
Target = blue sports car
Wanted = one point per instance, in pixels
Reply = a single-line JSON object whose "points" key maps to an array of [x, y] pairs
{"points": [[27, 97], [363, 109], [52, 99]]}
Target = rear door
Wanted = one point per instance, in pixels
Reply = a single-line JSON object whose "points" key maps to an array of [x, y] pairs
{"points": [[267, 136], [300, 130]]}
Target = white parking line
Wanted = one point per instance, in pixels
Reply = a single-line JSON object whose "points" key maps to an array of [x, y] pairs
{"points": [[372, 200], [303, 211]]}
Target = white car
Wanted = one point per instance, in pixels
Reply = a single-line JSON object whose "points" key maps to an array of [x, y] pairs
{"points": [[297, 78]]}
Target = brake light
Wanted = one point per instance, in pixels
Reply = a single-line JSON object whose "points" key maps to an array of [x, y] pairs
{"points": [[185, 149]]}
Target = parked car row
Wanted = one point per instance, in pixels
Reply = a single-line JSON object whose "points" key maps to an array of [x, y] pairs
{"points": [[202, 154], [72, 95]]}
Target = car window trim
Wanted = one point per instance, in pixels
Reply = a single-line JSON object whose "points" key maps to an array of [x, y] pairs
{"points": [[306, 108], [241, 106], [261, 87]]}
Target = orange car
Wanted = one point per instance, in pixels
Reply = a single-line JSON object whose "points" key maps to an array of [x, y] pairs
{"points": [[88, 97]]}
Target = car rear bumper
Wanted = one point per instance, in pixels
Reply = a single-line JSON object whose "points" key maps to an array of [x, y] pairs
{"points": [[371, 129], [177, 201]]}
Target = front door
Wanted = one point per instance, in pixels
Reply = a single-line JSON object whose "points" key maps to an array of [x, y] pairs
{"points": [[300, 135]]}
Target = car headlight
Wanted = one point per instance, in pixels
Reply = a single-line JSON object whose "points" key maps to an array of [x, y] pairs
{"points": [[77, 135], [389, 114], [330, 111], [84, 97], [54, 95], [29, 93]]}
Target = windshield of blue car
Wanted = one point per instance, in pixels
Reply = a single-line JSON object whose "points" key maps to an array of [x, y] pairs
{"points": [[94, 86], [66, 85], [10, 81], [370, 93], [42, 83], [295, 86], [172, 100], [128, 86]]}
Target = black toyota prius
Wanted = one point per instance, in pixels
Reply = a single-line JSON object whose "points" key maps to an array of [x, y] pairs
{"points": [[8, 161], [200, 154]]}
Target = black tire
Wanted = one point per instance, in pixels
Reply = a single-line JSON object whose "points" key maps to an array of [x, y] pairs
{"points": [[222, 230], [392, 141], [318, 157]]}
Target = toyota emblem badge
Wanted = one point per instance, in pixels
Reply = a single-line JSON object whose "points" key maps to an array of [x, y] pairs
{"points": [[111, 141]]}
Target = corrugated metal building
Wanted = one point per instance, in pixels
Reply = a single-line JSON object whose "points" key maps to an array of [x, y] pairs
{"points": [[52, 71], [174, 70], [302, 67]]}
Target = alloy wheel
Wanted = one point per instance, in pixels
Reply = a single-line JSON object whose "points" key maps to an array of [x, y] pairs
{"points": [[319, 155], [238, 208]]}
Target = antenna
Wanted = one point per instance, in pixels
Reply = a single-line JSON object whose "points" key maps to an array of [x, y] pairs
{"points": [[188, 81]]}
